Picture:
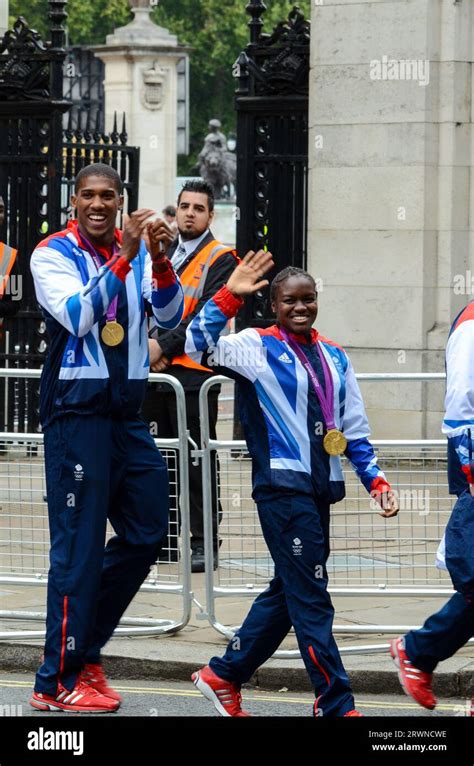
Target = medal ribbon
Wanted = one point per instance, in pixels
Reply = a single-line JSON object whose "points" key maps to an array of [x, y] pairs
{"points": [[326, 398], [112, 310]]}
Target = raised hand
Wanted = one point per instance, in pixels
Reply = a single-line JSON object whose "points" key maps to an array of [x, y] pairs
{"points": [[160, 237], [247, 277], [134, 226]]}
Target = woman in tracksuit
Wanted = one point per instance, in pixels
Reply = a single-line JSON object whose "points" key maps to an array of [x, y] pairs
{"points": [[301, 407]]}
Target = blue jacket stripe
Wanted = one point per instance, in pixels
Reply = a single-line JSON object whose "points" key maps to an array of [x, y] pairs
{"points": [[112, 283], [92, 346], [73, 306], [61, 245], [362, 456], [213, 320], [162, 298], [270, 407], [97, 303]]}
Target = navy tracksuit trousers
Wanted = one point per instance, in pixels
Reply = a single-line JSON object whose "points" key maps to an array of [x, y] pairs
{"points": [[446, 631], [296, 530], [97, 468], [442, 635]]}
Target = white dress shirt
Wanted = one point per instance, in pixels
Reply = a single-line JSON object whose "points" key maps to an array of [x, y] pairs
{"points": [[185, 249]]}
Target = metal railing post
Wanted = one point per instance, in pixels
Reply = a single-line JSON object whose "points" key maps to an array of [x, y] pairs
{"points": [[132, 626]]}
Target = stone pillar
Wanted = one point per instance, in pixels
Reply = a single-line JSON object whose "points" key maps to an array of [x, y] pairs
{"points": [[391, 192], [3, 16], [141, 80]]}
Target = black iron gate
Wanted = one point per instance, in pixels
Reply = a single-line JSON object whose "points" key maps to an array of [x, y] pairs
{"points": [[38, 162], [84, 76], [272, 146], [31, 109]]}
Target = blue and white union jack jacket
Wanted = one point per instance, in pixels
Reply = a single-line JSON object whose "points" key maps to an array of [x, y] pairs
{"points": [[82, 374], [279, 408]]}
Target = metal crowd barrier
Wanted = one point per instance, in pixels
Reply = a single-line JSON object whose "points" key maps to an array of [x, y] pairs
{"points": [[24, 535], [370, 556]]}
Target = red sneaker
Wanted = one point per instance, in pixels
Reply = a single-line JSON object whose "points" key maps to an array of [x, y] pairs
{"points": [[225, 695], [415, 682], [93, 675], [82, 699]]}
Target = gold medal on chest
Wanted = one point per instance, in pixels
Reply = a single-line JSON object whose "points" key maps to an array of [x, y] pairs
{"points": [[112, 333], [334, 442]]}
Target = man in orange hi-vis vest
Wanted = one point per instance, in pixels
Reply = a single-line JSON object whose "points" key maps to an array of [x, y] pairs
{"points": [[9, 293], [203, 265]]}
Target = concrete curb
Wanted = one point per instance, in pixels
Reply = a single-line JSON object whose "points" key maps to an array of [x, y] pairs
{"points": [[17, 657]]}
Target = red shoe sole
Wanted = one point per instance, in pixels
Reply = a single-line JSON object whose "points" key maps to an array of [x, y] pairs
{"points": [[56, 707]]}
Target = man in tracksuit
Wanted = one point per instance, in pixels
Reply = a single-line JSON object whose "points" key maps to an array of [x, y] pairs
{"points": [[417, 654], [301, 407], [203, 265], [92, 281]]}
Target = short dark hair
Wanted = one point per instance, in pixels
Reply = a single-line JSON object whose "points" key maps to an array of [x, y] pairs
{"points": [[289, 271], [169, 210], [99, 169], [199, 187]]}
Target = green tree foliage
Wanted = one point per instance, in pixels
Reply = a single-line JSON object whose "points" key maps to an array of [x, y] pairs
{"points": [[88, 22], [215, 30]]}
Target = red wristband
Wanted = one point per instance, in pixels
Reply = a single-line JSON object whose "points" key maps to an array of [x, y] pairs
{"points": [[467, 471], [379, 486]]}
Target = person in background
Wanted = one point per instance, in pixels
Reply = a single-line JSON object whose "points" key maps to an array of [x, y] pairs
{"points": [[10, 299], [10, 284], [203, 265], [169, 215]]}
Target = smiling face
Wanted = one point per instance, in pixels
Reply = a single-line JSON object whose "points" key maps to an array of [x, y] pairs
{"points": [[296, 304], [193, 214], [97, 202]]}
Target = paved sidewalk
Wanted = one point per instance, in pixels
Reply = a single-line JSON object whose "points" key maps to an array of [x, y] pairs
{"points": [[175, 657]]}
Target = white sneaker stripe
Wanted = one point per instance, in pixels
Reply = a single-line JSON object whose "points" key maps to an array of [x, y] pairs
{"points": [[73, 698]]}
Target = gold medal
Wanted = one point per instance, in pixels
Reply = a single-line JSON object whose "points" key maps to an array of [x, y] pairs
{"points": [[112, 333], [334, 442]]}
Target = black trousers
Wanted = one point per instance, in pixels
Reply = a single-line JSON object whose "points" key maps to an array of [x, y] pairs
{"points": [[159, 411]]}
